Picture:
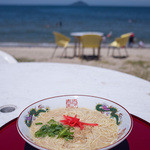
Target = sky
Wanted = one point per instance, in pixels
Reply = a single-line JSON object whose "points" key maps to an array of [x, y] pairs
{"points": [[90, 2]]}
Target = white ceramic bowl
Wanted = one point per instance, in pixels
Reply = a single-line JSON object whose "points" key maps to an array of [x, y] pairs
{"points": [[122, 116]]}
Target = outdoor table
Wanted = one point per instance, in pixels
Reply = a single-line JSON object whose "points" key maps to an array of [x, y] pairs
{"points": [[77, 36], [22, 84]]}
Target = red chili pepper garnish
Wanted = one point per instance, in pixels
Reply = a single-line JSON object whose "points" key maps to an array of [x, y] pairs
{"points": [[75, 122], [90, 124]]}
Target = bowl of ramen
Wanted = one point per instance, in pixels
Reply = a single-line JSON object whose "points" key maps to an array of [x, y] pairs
{"points": [[72, 122]]}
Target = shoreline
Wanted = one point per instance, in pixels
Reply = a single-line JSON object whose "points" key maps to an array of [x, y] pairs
{"points": [[23, 44]]}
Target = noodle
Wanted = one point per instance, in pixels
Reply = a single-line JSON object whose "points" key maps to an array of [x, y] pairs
{"points": [[90, 138]]}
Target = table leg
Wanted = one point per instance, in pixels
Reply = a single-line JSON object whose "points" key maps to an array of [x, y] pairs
{"points": [[99, 49], [75, 46], [79, 48]]}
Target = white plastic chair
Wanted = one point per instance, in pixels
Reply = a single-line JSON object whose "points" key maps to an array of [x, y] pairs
{"points": [[6, 58]]}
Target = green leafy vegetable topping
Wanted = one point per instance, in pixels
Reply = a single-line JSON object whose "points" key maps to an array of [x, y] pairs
{"points": [[55, 129], [38, 123]]}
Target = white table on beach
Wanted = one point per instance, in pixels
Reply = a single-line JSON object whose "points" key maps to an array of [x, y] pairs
{"points": [[22, 84], [77, 36]]}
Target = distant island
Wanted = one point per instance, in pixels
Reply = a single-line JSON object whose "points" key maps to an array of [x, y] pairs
{"points": [[79, 3]]}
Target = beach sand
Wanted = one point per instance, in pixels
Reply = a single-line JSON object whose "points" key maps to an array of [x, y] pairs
{"points": [[137, 64]]}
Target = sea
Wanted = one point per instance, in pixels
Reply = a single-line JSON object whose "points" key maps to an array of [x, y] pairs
{"points": [[34, 25]]}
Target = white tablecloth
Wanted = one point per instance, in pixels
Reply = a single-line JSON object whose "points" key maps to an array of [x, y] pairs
{"points": [[78, 34], [24, 83]]}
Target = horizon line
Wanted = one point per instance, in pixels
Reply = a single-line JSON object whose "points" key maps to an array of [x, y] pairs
{"points": [[74, 6]]}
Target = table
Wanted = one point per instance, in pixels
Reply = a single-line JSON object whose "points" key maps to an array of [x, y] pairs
{"points": [[77, 36], [137, 140], [24, 83]]}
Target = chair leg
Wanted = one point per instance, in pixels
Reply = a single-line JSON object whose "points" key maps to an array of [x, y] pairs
{"points": [[119, 52], [126, 52], [108, 50], [64, 51], [54, 51], [113, 51]]}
